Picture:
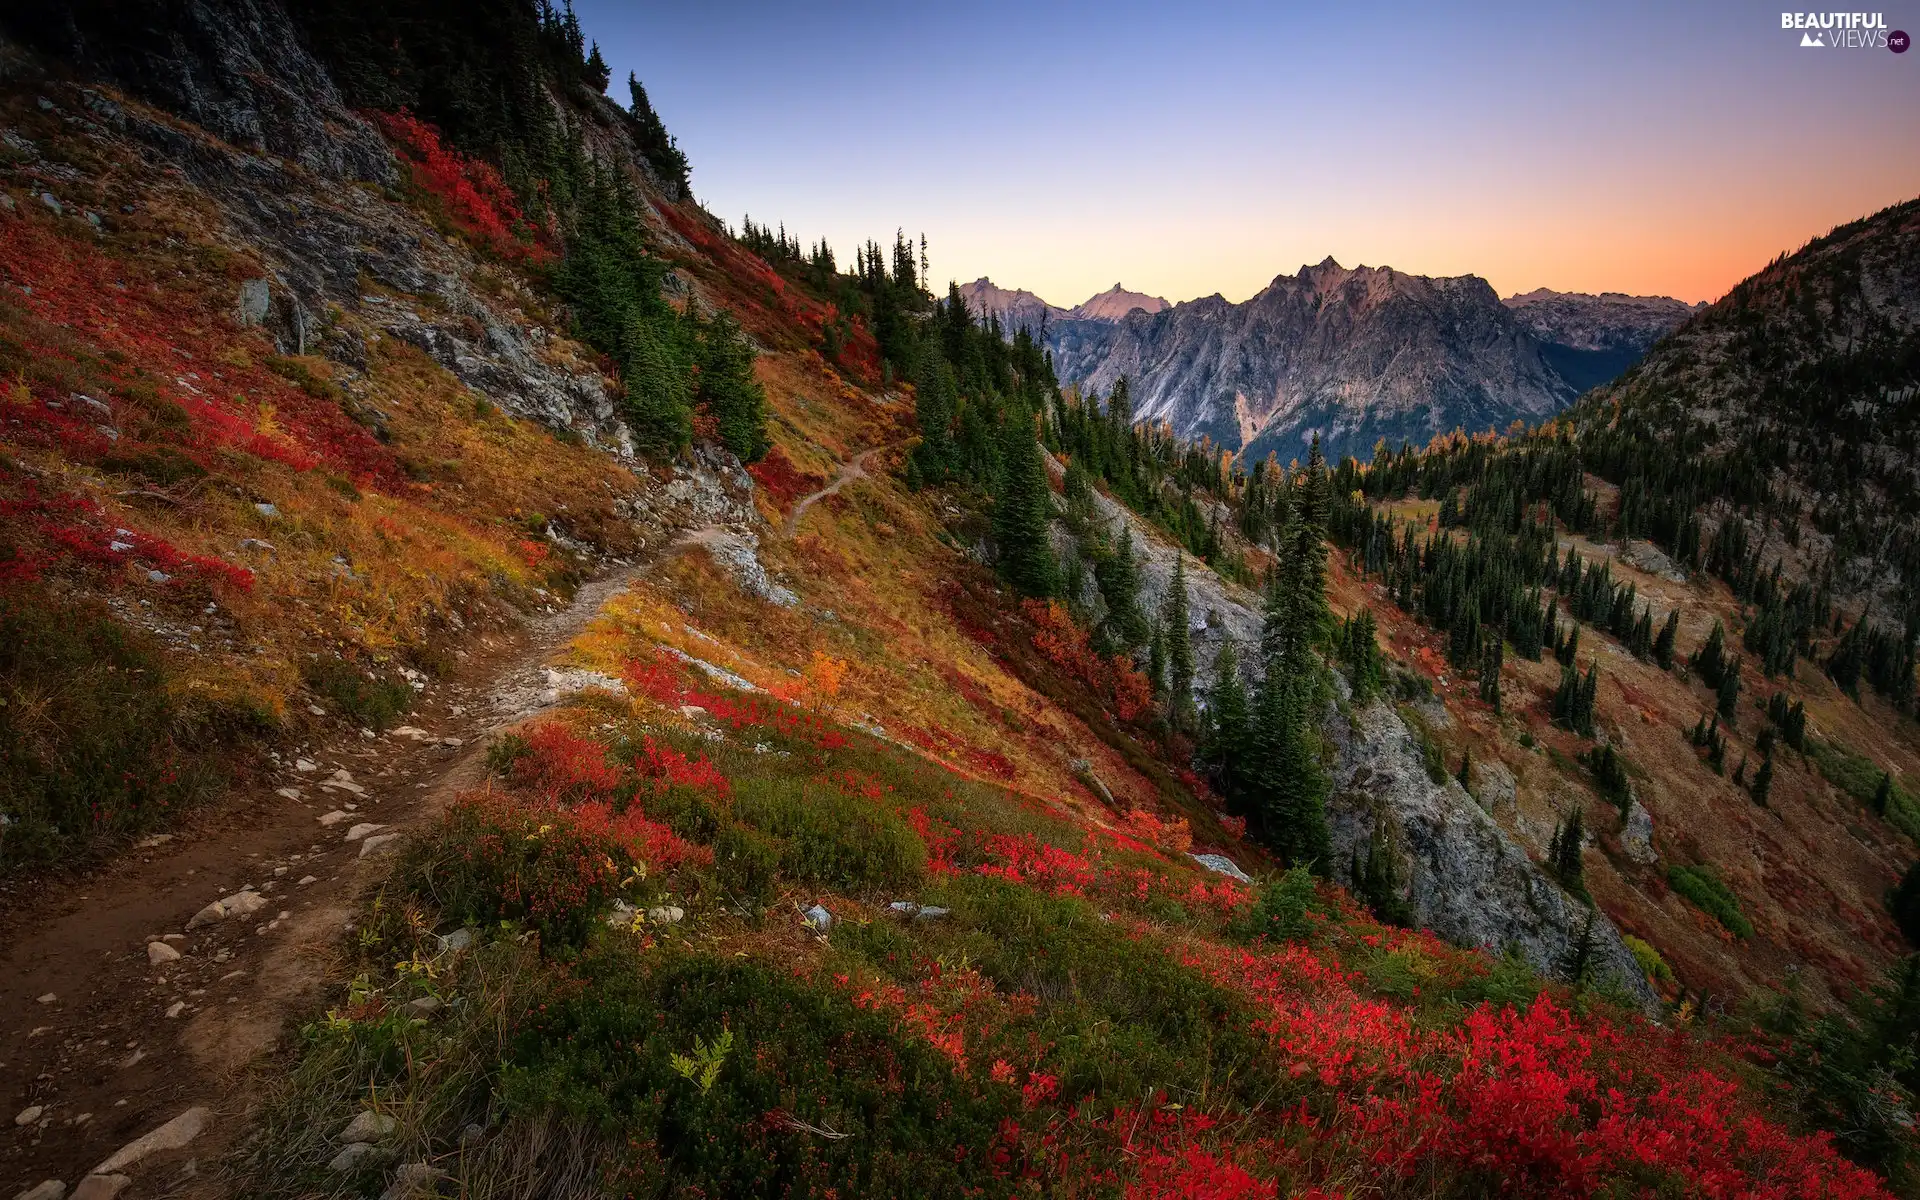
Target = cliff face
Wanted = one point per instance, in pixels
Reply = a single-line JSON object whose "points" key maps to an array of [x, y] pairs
{"points": [[1353, 355]]}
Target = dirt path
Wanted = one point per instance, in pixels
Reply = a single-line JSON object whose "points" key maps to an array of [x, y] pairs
{"points": [[854, 468], [109, 1042]]}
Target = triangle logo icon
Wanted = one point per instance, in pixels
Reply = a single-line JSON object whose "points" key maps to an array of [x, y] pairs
{"points": [[1813, 39]]}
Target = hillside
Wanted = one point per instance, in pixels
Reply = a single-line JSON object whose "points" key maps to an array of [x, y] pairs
{"points": [[511, 690]]}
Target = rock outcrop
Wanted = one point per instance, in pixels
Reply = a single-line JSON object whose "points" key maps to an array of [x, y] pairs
{"points": [[1466, 879]]}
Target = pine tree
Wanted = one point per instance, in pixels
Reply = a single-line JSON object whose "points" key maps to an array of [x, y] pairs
{"points": [[1289, 783], [1360, 654], [1228, 746], [1709, 662], [1022, 511], [1177, 630], [1570, 647], [1119, 579], [1577, 966], [934, 406], [1157, 659], [1728, 691], [1563, 852], [1763, 782], [728, 390], [1490, 663]]}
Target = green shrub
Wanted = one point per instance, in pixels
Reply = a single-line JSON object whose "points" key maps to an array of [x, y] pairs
{"points": [[91, 743], [1705, 889], [1860, 777], [1649, 960], [368, 700], [828, 838], [746, 862]]}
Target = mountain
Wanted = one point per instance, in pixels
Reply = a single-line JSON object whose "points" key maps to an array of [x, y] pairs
{"points": [[1800, 389], [1016, 309], [1020, 309], [1355, 355], [1591, 339], [1114, 303]]}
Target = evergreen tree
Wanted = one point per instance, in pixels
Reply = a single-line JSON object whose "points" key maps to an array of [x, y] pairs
{"points": [[1728, 692], [728, 390], [1570, 647], [1464, 775], [1157, 659], [1177, 630], [1376, 880], [1904, 901], [1228, 746], [1883, 795], [1709, 662], [934, 406], [1577, 966], [1763, 782], [1360, 654], [658, 386], [1289, 785], [1119, 579], [1022, 509], [1563, 852], [1490, 663]]}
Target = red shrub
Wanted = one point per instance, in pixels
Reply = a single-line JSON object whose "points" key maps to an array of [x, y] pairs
{"points": [[562, 766], [476, 199]]}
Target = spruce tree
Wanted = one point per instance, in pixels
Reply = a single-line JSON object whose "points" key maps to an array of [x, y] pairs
{"points": [[1709, 662], [1490, 663], [1727, 691], [934, 407], [1022, 511], [728, 390], [1177, 630], [1763, 782], [1119, 579], [1577, 966], [1228, 746]]}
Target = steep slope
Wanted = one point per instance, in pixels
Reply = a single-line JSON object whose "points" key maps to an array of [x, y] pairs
{"points": [[1354, 355], [1591, 339], [1799, 387]]}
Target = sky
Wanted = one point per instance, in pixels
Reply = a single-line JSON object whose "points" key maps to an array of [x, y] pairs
{"points": [[1196, 147]]}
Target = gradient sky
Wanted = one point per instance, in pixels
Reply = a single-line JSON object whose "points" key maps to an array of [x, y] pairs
{"points": [[1194, 147]]}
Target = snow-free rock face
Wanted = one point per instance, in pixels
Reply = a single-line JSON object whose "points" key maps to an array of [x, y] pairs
{"points": [[1466, 879], [1018, 309], [1589, 339], [236, 68], [1354, 355]]}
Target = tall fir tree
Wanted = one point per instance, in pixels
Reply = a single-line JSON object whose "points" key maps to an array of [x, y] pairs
{"points": [[1177, 630], [1228, 746], [1022, 510]]}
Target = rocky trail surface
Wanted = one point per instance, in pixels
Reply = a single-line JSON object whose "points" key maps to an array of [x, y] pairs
{"points": [[138, 997]]}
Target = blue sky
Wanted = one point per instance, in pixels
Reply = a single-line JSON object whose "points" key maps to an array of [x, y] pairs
{"points": [[1185, 149]]}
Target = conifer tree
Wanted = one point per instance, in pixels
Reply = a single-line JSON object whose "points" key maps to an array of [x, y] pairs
{"points": [[1360, 654], [1663, 646], [1157, 660], [1728, 691], [934, 406], [728, 390], [1577, 967], [1022, 510], [1563, 852], [1709, 662], [1178, 631], [1119, 579], [1228, 746], [1763, 782], [1490, 663], [1883, 795]]}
